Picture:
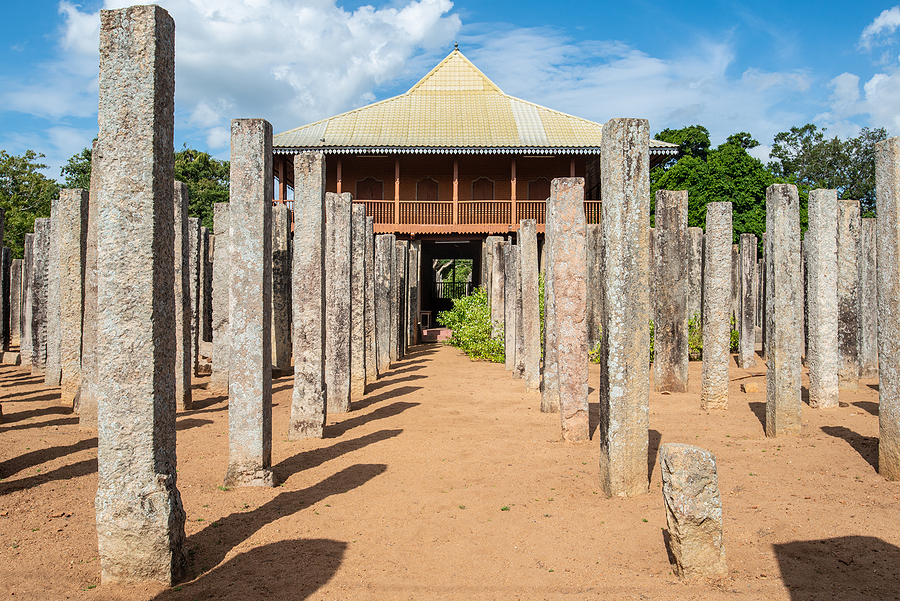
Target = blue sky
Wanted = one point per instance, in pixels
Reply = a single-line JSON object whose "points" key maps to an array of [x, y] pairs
{"points": [[759, 67]]}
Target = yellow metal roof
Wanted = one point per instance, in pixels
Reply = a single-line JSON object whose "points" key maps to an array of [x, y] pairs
{"points": [[455, 108]]}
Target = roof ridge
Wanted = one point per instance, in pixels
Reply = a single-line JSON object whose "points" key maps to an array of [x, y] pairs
{"points": [[441, 65]]}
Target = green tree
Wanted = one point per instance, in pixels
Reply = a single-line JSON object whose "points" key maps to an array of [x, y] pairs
{"points": [[207, 180], [77, 171], [25, 194]]}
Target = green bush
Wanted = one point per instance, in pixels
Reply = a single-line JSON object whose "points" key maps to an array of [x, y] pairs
{"points": [[695, 338], [470, 320]]}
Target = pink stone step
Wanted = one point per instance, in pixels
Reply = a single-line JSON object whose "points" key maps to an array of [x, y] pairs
{"points": [[436, 334]]}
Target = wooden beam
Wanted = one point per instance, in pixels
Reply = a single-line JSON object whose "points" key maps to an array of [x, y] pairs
{"points": [[455, 191], [512, 192], [397, 190], [339, 175]]}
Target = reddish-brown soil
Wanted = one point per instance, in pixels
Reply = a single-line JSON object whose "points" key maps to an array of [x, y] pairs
{"points": [[446, 482]]}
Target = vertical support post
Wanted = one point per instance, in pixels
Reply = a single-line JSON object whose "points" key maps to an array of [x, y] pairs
{"points": [[868, 300], [357, 300], [513, 213], [822, 277], [397, 190], [848, 292], [746, 321], [72, 231], [183, 368], [218, 380], [717, 283], [384, 261], [455, 191], [281, 289], [371, 353], [670, 363], [531, 319], [337, 301]]}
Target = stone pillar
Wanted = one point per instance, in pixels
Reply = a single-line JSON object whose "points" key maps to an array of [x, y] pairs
{"points": [[519, 366], [40, 295], [782, 310], [488, 251], [384, 261], [15, 302], [887, 188], [625, 348], [670, 364], [550, 369], [25, 350], [394, 302], [204, 284], [531, 318], [652, 274], [848, 293], [194, 282], [52, 369], [594, 314], [86, 403], [357, 300], [6, 268], [140, 520], [735, 282], [717, 307], [497, 298], [509, 305], [822, 280], [371, 354], [868, 300], [180, 205], [401, 260], [218, 379], [72, 232], [412, 273], [250, 305], [695, 273], [281, 289], [746, 323], [337, 301], [308, 401]]}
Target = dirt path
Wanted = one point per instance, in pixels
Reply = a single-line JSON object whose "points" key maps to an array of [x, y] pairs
{"points": [[446, 482]]}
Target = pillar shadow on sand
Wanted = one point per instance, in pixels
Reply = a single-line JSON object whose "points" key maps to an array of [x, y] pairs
{"points": [[866, 446]]}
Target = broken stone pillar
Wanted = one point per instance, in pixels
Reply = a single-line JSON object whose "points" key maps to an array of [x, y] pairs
{"points": [[625, 348], [250, 305], [594, 314], [337, 301], [695, 273], [218, 379], [822, 280], [140, 520], [357, 300], [887, 188], [782, 310], [281, 289], [549, 370], [72, 232], [398, 327], [308, 402], [670, 343], [183, 368], [690, 486], [531, 318], [40, 295], [746, 323], [488, 251], [717, 307], [497, 298], [52, 369], [384, 271], [868, 300], [509, 305], [371, 354], [194, 282], [25, 350], [848, 293], [15, 302], [86, 401]]}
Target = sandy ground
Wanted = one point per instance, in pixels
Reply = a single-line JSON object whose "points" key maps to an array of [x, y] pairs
{"points": [[446, 482]]}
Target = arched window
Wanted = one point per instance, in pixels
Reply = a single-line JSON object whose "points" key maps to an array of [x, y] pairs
{"points": [[369, 189], [482, 189], [427, 189], [539, 189]]}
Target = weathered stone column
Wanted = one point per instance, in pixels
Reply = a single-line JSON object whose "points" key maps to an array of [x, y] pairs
{"points": [[488, 252], [625, 349], [183, 371], [594, 315], [735, 282], [717, 307], [509, 305], [550, 369], [394, 294], [52, 369], [670, 363], [194, 282], [25, 350], [384, 270], [6, 269], [72, 232], [86, 401], [337, 301], [412, 273], [371, 354], [887, 188], [868, 300], [848, 293], [401, 260], [357, 300], [250, 305], [519, 366], [822, 281], [497, 299], [140, 520], [204, 290], [281, 289], [40, 295], [695, 273], [15, 302], [308, 402], [218, 379], [531, 318], [746, 323], [782, 310]]}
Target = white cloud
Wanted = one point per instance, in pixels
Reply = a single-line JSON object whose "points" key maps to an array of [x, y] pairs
{"points": [[885, 23]]}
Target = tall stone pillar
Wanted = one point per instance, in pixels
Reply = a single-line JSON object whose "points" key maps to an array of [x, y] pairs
{"points": [[308, 401], [625, 349], [25, 350], [357, 300], [695, 273], [140, 520], [746, 323], [782, 310], [204, 290], [497, 299], [183, 367], [52, 369], [519, 367], [670, 343], [337, 301], [887, 189], [550, 369], [371, 354], [281, 289], [250, 305], [848, 293], [594, 314], [822, 281], [717, 281], [218, 379], [488, 250], [509, 305], [735, 281], [86, 404], [868, 300], [531, 318], [412, 273], [15, 302], [194, 283], [40, 295], [394, 303], [6, 269], [384, 271], [72, 232], [401, 261]]}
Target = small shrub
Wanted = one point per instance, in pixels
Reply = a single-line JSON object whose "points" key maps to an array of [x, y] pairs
{"points": [[470, 320], [695, 338]]}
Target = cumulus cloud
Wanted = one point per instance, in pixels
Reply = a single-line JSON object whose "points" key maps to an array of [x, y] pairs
{"points": [[884, 24]]}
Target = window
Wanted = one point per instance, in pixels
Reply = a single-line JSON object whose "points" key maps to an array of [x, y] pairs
{"points": [[427, 189], [539, 189], [369, 189], [482, 189]]}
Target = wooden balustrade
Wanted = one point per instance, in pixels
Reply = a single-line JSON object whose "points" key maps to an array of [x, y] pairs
{"points": [[426, 212], [592, 211], [474, 212], [531, 209]]}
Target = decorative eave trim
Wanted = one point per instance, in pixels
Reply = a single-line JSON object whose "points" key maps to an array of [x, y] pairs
{"points": [[658, 151]]}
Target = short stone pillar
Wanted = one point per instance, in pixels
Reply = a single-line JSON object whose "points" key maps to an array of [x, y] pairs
{"points": [[487, 259], [625, 348], [782, 310], [183, 367], [371, 354], [695, 273], [717, 307], [510, 263], [140, 520], [690, 487], [72, 232], [281, 289], [40, 295], [670, 342], [868, 300], [218, 379], [384, 271], [746, 322], [497, 298], [308, 402], [594, 315], [25, 351], [250, 305], [822, 283], [848, 293], [15, 302], [337, 301], [358, 300], [531, 318]]}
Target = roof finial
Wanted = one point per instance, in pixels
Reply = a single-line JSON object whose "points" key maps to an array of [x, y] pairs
{"points": [[456, 45]]}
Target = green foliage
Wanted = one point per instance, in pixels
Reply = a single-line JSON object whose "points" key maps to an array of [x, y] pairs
{"points": [[735, 337], [652, 338], [470, 320], [695, 338], [77, 171], [207, 179], [25, 194]]}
